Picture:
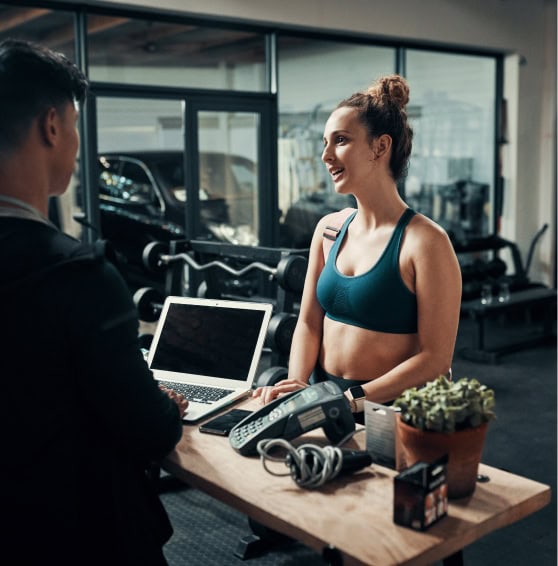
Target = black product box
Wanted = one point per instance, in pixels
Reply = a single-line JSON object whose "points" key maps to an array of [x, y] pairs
{"points": [[420, 496]]}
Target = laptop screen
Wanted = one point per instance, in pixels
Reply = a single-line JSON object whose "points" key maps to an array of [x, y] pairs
{"points": [[209, 340]]}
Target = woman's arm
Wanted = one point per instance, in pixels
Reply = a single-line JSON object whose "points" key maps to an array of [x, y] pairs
{"points": [[428, 259], [307, 337]]}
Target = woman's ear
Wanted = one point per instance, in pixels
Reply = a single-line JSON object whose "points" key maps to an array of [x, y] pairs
{"points": [[381, 145]]}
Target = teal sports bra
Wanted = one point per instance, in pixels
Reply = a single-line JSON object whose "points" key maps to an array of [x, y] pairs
{"points": [[376, 300]]}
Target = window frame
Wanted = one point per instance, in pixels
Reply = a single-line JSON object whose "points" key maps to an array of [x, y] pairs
{"points": [[88, 171]]}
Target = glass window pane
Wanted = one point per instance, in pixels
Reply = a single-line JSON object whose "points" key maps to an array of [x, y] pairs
{"points": [[229, 171], [133, 51], [314, 76], [141, 179], [452, 111], [139, 124]]}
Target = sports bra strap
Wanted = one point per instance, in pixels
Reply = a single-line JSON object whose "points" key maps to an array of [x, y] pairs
{"points": [[332, 230]]}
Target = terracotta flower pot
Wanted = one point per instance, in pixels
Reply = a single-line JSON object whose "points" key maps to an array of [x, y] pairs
{"points": [[464, 450]]}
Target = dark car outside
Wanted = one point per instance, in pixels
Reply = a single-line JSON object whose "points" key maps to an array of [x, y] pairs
{"points": [[142, 199]]}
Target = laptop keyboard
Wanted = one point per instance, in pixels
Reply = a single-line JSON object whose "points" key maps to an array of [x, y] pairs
{"points": [[197, 393]]}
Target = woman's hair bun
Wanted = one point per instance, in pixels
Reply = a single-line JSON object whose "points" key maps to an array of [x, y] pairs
{"points": [[390, 89]]}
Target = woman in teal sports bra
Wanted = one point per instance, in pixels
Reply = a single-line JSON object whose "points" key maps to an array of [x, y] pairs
{"points": [[380, 309]]}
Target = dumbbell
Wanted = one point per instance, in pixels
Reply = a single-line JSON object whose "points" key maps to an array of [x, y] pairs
{"points": [[271, 376], [291, 273], [496, 267], [280, 332], [151, 256], [149, 303]]}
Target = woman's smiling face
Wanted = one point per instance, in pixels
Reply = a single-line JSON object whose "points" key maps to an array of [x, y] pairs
{"points": [[348, 151]]}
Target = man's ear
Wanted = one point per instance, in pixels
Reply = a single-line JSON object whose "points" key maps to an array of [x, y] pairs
{"points": [[381, 145], [49, 126]]}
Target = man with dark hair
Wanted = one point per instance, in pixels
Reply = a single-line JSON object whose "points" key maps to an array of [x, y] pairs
{"points": [[81, 416]]}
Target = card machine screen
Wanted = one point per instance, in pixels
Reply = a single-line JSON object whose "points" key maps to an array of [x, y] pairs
{"points": [[302, 400]]}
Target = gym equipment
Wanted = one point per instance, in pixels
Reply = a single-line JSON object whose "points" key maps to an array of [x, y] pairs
{"points": [[290, 271], [286, 267], [496, 267], [149, 303], [528, 299], [271, 376], [151, 256], [280, 332], [527, 302], [493, 271]]}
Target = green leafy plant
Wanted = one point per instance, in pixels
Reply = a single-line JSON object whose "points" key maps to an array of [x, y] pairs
{"points": [[446, 406]]}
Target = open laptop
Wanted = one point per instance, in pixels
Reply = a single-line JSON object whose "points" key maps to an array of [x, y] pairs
{"points": [[209, 350]]}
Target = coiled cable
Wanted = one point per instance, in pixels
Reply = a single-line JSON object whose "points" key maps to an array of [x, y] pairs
{"points": [[309, 465]]}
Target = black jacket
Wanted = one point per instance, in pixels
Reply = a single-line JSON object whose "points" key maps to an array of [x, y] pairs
{"points": [[80, 413]]}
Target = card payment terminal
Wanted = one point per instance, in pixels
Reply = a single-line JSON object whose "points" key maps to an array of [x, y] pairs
{"points": [[320, 405]]}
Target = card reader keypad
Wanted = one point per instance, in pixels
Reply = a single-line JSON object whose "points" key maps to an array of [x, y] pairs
{"points": [[243, 433], [240, 435]]}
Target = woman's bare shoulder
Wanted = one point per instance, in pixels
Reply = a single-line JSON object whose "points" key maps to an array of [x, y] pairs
{"points": [[425, 231]]}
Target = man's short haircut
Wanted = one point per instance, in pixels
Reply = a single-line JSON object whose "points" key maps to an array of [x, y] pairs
{"points": [[33, 79]]}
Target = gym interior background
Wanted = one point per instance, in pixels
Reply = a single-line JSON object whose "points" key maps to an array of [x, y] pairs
{"points": [[233, 97], [206, 118]]}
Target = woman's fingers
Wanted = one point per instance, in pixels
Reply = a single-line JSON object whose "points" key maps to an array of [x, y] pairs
{"points": [[271, 392]]}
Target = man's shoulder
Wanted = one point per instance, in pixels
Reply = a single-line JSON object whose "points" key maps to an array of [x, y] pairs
{"points": [[66, 249], [48, 243], [34, 251]]}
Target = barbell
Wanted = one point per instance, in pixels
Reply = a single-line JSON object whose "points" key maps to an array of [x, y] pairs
{"points": [[289, 273]]}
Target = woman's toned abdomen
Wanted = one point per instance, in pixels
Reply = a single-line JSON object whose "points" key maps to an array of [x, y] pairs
{"points": [[356, 353]]}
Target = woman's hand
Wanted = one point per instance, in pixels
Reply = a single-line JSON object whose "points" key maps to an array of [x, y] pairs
{"points": [[178, 398], [269, 393]]}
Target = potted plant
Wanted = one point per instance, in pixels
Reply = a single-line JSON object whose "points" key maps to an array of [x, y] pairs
{"points": [[446, 417]]}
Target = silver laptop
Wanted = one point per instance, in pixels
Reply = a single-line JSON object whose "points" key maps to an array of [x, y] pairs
{"points": [[209, 350]]}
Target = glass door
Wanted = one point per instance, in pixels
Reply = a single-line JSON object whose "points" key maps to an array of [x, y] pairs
{"points": [[229, 165], [173, 165]]}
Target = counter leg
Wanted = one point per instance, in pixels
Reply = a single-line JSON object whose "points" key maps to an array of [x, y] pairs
{"points": [[259, 541], [455, 559]]}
